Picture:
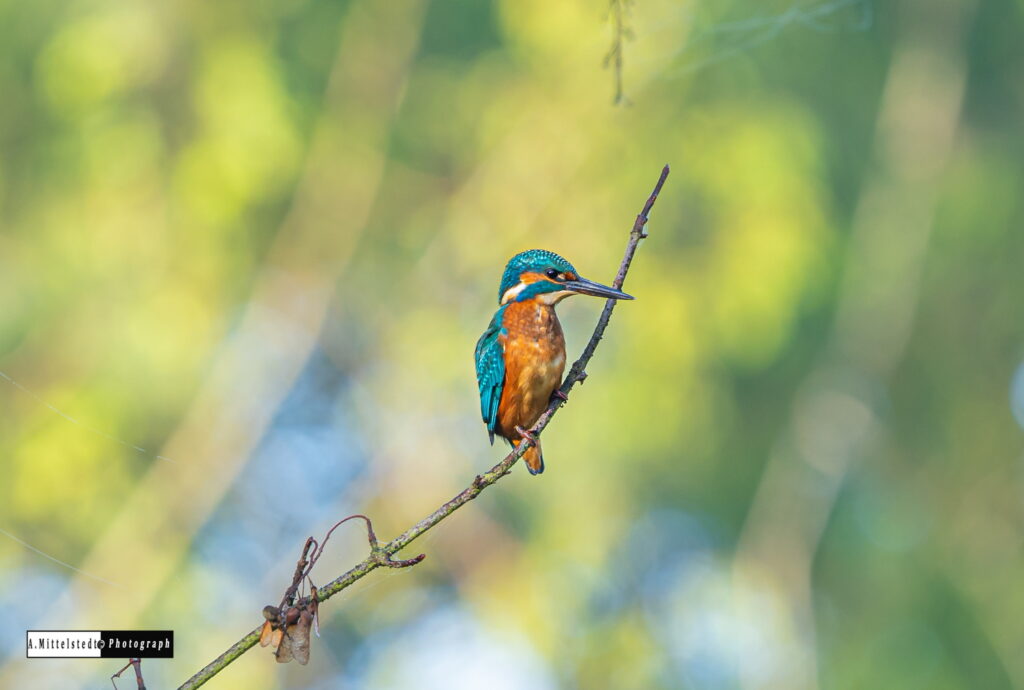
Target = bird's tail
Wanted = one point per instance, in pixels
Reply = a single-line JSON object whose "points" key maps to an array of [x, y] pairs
{"points": [[533, 457]]}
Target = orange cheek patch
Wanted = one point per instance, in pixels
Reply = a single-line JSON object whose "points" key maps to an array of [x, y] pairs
{"points": [[527, 278]]}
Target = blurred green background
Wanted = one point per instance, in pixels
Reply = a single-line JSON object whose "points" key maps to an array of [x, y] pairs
{"points": [[246, 249]]}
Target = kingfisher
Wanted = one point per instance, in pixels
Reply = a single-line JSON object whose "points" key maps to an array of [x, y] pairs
{"points": [[521, 356]]}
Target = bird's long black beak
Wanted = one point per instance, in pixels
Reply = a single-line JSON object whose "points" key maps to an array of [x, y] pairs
{"points": [[589, 287]]}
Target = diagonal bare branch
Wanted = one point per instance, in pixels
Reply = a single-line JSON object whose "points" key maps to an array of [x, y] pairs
{"points": [[381, 555]]}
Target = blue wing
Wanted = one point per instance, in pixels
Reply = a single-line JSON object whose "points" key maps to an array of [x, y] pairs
{"points": [[490, 371]]}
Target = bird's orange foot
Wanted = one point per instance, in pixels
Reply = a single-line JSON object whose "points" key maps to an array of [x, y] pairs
{"points": [[559, 395], [529, 436]]}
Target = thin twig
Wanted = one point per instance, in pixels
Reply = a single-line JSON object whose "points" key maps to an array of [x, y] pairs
{"points": [[375, 550], [137, 665], [380, 556], [300, 572]]}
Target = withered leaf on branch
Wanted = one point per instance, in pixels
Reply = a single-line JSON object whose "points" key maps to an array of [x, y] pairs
{"points": [[271, 613], [266, 633], [289, 632], [294, 643]]}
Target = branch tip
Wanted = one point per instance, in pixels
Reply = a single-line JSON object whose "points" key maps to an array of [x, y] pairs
{"points": [[385, 560]]}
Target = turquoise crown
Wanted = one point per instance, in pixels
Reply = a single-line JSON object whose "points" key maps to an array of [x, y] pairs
{"points": [[531, 261]]}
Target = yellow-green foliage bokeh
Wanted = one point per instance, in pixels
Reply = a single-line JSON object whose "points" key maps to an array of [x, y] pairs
{"points": [[265, 236]]}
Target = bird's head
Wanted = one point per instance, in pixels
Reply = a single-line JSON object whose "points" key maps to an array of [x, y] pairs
{"points": [[540, 274]]}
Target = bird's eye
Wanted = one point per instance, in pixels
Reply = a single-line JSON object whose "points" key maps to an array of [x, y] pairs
{"points": [[551, 273]]}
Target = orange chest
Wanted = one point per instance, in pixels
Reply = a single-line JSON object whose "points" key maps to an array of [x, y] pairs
{"points": [[534, 350]]}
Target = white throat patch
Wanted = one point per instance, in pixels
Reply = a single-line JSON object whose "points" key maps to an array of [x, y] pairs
{"points": [[544, 298], [554, 297], [512, 293]]}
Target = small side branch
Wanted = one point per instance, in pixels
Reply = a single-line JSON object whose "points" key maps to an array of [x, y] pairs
{"points": [[381, 554], [137, 665]]}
